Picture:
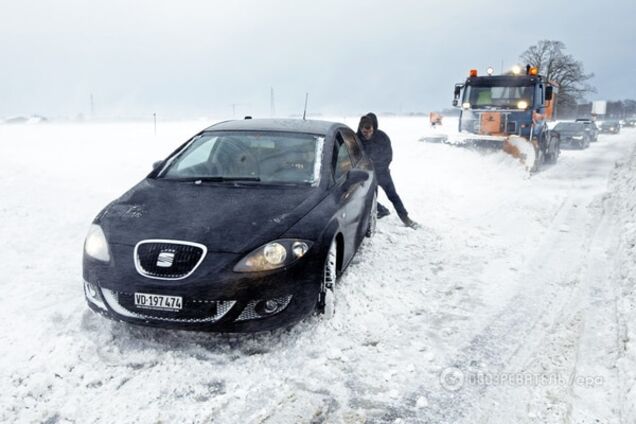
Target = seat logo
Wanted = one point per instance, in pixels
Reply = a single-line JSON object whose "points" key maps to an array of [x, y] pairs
{"points": [[165, 259]]}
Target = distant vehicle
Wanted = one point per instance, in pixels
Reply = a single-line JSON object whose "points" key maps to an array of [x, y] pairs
{"points": [[610, 127], [590, 127], [630, 122], [509, 112], [243, 228], [573, 134]]}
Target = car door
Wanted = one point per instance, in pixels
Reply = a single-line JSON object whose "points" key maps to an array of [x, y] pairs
{"points": [[351, 190], [362, 196]]}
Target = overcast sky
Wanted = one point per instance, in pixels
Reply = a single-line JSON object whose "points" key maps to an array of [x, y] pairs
{"points": [[190, 58]]}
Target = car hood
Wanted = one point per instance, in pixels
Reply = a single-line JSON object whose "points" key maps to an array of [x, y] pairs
{"points": [[224, 217], [570, 133]]}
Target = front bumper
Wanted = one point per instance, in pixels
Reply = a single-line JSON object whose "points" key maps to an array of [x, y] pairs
{"points": [[233, 302]]}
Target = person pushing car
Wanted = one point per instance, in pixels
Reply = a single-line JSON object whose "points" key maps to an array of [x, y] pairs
{"points": [[377, 145]]}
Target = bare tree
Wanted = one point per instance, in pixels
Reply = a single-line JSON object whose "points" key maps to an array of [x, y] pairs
{"points": [[553, 63]]}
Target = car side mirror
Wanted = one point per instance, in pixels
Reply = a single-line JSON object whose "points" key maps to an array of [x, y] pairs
{"points": [[548, 92], [456, 93], [356, 176], [157, 165]]}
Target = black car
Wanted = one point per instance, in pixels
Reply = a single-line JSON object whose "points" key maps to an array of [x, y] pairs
{"points": [[573, 134], [245, 227], [590, 128], [610, 127]]}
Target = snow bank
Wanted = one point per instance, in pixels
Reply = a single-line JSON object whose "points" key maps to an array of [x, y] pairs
{"points": [[623, 201]]}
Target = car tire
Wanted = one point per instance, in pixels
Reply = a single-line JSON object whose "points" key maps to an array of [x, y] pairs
{"points": [[373, 216], [326, 297]]}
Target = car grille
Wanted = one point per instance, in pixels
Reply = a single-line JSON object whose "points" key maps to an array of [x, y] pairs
{"points": [[168, 259], [193, 311]]}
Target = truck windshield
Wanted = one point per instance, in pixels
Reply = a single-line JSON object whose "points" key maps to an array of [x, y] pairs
{"points": [[499, 97], [249, 156]]}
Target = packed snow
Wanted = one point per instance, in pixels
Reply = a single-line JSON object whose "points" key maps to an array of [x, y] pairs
{"points": [[515, 301]]}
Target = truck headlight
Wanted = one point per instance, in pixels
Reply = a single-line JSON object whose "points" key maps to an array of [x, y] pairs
{"points": [[522, 104], [96, 245], [273, 255]]}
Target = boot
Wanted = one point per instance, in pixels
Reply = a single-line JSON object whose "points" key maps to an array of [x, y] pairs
{"points": [[409, 222], [383, 211]]}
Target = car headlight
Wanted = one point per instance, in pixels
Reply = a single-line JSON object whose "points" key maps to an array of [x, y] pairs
{"points": [[578, 137], [273, 255], [96, 245]]}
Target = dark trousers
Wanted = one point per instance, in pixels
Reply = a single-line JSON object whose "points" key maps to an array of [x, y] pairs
{"points": [[386, 182]]}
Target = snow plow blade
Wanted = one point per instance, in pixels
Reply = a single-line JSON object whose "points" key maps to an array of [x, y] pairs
{"points": [[524, 150], [516, 146]]}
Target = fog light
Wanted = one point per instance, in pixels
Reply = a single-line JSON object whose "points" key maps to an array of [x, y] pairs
{"points": [[93, 296], [270, 306], [267, 307], [90, 290]]}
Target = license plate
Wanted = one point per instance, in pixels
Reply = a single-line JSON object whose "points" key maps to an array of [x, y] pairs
{"points": [[158, 301]]}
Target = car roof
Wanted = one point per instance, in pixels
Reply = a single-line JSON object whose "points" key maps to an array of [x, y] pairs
{"points": [[283, 125]]}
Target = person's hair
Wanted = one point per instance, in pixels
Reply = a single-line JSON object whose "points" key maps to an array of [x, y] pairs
{"points": [[374, 119], [365, 121]]}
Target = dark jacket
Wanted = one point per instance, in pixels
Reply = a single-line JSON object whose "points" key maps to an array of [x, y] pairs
{"points": [[378, 148]]}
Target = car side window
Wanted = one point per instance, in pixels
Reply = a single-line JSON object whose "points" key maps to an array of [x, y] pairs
{"points": [[343, 160], [352, 144]]}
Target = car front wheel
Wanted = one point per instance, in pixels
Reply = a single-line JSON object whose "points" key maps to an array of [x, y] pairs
{"points": [[326, 297]]}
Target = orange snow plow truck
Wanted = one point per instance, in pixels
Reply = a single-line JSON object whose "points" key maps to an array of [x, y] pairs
{"points": [[509, 112]]}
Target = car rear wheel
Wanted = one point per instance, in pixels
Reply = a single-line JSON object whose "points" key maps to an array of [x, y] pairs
{"points": [[326, 297], [373, 216]]}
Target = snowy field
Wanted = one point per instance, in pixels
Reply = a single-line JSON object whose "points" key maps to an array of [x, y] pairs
{"points": [[514, 303]]}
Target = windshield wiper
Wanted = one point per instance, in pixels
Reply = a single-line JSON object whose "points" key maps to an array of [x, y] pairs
{"points": [[215, 179]]}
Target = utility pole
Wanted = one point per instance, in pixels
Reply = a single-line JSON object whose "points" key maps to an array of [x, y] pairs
{"points": [[92, 106], [154, 115]]}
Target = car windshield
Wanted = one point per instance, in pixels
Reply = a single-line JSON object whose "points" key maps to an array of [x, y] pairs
{"points": [[569, 126], [249, 156], [499, 97]]}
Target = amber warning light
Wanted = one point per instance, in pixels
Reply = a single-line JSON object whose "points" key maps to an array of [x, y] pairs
{"points": [[473, 72]]}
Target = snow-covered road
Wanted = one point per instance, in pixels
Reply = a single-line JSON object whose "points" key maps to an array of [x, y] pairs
{"points": [[517, 291]]}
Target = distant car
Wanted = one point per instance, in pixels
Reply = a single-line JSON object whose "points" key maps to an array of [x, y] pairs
{"points": [[573, 134], [590, 127], [243, 228], [630, 122], [610, 127]]}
